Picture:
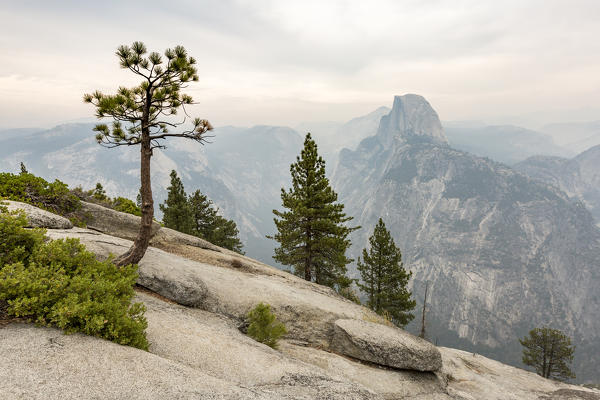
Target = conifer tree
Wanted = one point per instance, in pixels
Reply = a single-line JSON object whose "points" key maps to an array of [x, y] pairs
{"points": [[312, 234], [209, 225], [176, 211], [549, 351], [385, 278], [203, 215], [143, 115], [225, 234], [99, 193]]}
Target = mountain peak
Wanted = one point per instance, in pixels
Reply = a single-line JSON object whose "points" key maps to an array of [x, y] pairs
{"points": [[411, 116]]}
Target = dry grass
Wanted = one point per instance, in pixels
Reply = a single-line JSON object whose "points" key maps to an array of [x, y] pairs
{"points": [[207, 256], [384, 319]]}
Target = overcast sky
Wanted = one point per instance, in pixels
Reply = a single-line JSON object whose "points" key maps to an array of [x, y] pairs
{"points": [[284, 62]]}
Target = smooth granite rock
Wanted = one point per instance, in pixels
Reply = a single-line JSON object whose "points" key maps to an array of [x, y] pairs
{"points": [[112, 222], [37, 217], [384, 345]]}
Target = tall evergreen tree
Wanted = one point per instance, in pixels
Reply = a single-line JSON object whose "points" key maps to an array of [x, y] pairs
{"points": [[312, 234], [385, 278], [203, 214], [209, 225], [176, 211], [225, 234], [549, 351]]}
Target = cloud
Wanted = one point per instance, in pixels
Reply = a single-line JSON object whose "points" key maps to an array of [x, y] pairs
{"points": [[278, 61]]}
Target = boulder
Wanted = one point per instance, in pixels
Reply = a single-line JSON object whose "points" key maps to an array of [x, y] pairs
{"points": [[390, 383], [127, 226], [384, 345], [471, 376], [166, 235], [112, 222], [38, 218]]}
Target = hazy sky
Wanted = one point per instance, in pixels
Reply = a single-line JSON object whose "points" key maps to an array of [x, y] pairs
{"points": [[283, 62]]}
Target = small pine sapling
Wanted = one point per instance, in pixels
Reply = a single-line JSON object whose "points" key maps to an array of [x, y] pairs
{"points": [[264, 326]]}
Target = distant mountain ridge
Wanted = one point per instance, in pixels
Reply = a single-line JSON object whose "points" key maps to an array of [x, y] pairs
{"points": [[501, 252], [579, 176], [504, 143]]}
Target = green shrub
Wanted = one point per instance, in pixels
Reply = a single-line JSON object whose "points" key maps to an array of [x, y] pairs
{"points": [[16, 243], [60, 283], [127, 206], [264, 326], [28, 188]]}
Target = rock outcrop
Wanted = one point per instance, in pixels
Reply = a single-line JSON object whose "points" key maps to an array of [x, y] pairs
{"points": [[36, 217], [112, 222], [384, 345], [127, 226], [501, 253]]}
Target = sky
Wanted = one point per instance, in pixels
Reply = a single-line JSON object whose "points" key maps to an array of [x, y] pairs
{"points": [[281, 62]]}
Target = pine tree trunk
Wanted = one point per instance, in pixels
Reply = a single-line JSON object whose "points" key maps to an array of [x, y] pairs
{"points": [[308, 262], [140, 245]]}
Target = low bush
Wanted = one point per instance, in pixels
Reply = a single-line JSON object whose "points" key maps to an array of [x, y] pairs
{"points": [[98, 196], [59, 283], [127, 206], [28, 188], [16, 243], [264, 326]]}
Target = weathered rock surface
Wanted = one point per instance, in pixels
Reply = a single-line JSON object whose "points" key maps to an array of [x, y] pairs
{"points": [[167, 235], [36, 217], [45, 364], [390, 383], [501, 252], [384, 345], [112, 222], [213, 344], [472, 376], [127, 226], [308, 310]]}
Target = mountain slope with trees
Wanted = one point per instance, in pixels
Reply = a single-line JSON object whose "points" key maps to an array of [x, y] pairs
{"points": [[501, 253], [579, 177]]}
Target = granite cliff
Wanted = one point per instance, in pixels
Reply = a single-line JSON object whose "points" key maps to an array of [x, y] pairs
{"points": [[501, 253]]}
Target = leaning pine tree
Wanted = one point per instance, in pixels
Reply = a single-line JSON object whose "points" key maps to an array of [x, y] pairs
{"points": [[384, 277], [142, 116], [312, 234]]}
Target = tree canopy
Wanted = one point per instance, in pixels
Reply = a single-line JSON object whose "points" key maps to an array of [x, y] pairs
{"points": [[143, 115], [384, 278], [550, 352], [312, 231], [196, 215]]}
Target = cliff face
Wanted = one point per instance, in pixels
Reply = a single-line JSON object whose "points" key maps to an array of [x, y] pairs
{"points": [[578, 177], [501, 253]]}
